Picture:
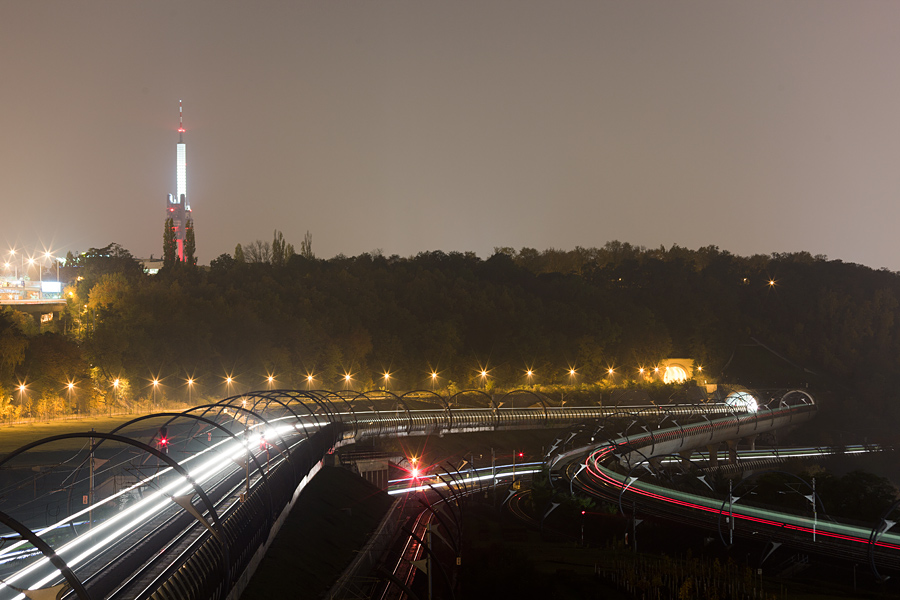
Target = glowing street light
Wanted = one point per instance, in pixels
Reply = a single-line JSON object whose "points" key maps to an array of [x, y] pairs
{"points": [[190, 384], [40, 272], [155, 385], [70, 389], [529, 375], [51, 257], [269, 381], [309, 381], [771, 283], [387, 379], [115, 385], [229, 381], [434, 376], [347, 379]]}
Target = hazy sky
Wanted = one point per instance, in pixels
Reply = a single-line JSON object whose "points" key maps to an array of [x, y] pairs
{"points": [[757, 126]]}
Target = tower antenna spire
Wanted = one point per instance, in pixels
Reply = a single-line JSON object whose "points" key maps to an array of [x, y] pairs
{"points": [[180, 124]]}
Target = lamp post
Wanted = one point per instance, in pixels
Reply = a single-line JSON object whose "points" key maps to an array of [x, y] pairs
{"points": [[190, 384], [153, 401], [70, 387], [269, 381], [51, 257], [347, 379], [115, 394], [309, 382], [529, 375], [12, 253], [433, 379], [229, 380], [387, 380], [483, 376]]}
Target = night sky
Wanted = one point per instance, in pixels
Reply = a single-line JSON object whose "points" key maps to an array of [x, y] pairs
{"points": [[758, 126]]}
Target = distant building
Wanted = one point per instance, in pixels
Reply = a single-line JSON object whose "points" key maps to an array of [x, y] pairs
{"points": [[151, 265], [177, 207], [676, 370]]}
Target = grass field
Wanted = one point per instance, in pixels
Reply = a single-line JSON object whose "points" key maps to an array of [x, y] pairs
{"points": [[15, 436]]}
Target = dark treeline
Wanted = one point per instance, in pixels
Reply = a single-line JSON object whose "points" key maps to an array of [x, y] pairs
{"points": [[621, 307]]}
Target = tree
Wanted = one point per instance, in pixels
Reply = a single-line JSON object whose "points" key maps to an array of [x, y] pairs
{"points": [[259, 252], [281, 251], [239, 255], [190, 244], [223, 262], [306, 246], [170, 249]]}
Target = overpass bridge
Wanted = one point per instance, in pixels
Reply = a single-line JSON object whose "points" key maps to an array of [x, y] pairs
{"points": [[184, 505]]}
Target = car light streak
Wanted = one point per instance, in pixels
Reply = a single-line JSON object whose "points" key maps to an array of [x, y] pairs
{"points": [[606, 477], [147, 508], [459, 483]]}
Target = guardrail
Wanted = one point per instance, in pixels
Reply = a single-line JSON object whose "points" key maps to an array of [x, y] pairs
{"points": [[249, 457]]}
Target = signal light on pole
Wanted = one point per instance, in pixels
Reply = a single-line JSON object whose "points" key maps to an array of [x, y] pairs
{"points": [[163, 439]]}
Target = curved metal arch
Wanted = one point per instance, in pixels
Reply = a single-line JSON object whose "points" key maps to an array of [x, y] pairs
{"points": [[490, 398], [427, 393], [287, 452], [273, 395], [525, 392], [812, 401], [55, 559], [646, 427], [759, 474], [223, 540], [270, 397], [327, 405], [325, 394], [174, 416], [877, 530]]}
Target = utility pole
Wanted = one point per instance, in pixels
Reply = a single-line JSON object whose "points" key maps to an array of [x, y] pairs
{"points": [[730, 515], [815, 516], [428, 540]]}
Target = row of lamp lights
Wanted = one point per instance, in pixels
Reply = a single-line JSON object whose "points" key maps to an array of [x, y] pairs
{"points": [[10, 262], [347, 379]]}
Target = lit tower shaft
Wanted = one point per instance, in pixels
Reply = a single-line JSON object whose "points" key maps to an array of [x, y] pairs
{"points": [[178, 208]]}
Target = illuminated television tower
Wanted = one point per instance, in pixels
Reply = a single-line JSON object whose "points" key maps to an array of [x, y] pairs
{"points": [[177, 207]]}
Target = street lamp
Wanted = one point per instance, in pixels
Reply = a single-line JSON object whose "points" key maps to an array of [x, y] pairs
{"points": [[12, 253], [51, 257], [40, 272], [483, 376], [70, 389], [190, 384], [387, 379], [347, 379], [529, 375], [115, 394], [155, 385], [269, 381], [228, 381], [433, 379], [309, 381]]}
